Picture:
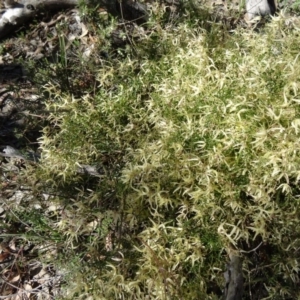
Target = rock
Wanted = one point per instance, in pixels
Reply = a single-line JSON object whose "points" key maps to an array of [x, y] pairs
{"points": [[259, 8]]}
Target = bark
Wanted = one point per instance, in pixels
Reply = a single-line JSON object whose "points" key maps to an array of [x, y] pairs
{"points": [[234, 278]]}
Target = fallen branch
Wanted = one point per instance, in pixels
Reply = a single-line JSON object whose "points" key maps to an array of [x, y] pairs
{"points": [[23, 11], [234, 278], [19, 13]]}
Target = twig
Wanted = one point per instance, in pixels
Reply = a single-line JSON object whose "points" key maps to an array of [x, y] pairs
{"points": [[252, 249]]}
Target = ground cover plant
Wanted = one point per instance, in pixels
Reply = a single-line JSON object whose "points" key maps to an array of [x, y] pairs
{"points": [[192, 134]]}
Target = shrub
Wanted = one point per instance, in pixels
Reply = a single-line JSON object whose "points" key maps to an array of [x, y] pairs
{"points": [[199, 152]]}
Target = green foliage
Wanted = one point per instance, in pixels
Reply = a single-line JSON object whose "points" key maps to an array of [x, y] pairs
{"points": [[198, 151]]}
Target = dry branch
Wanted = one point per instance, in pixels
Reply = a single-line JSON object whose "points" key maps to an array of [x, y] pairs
{"points": [[234, 278], [25, 10]]}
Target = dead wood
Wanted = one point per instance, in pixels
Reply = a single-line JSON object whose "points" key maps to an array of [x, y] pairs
{"points": [[234, 278], [17, 14], [24, 11]]}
